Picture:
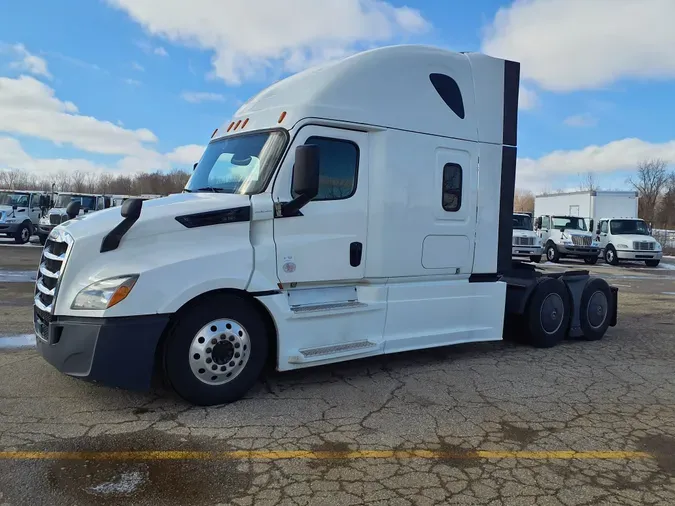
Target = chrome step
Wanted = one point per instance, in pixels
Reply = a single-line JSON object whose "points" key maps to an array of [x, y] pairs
{"points": [[333, 351], [333, 306]]}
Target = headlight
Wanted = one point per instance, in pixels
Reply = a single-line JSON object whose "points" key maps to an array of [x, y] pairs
{"points": [[595, 244], [105, 293], [657, 246], [622, 246], [10, 220]]}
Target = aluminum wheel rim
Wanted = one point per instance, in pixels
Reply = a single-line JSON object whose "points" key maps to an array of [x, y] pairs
{"points": [[550, 253], [25, 235], [610, 255], [219, 351], [551, 313], [597, 309]]}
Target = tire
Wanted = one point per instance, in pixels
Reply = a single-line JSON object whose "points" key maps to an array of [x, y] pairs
{"points": [[591, 260], [594, 308], [610, 255], [652, 263], [189, 363], [43, 239], [548, 313], [23, 234], [552, 254], [535, 259]]}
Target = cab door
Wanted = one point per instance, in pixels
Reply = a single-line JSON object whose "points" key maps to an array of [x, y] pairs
{"points": [[603, 226], [326, 241], [34, 210]]}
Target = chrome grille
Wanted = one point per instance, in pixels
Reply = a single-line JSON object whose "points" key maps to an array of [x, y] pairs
{"points": [[581, 240], [643, 246], [52, 263], [523, 241]]}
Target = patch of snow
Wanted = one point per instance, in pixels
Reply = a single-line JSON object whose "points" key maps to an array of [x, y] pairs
{"points": [[17, 276], [667, 266], [668, 293], [20, 341]]}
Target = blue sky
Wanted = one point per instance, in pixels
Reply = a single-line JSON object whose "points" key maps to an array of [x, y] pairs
{"points": [[125, 85]]}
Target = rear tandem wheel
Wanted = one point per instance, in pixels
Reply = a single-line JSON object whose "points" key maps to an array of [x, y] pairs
{"points": [[548, 312]]}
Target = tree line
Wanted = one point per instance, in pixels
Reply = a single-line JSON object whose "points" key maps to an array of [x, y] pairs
{"points": [[157, 183]]}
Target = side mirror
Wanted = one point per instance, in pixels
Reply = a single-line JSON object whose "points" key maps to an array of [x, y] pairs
{"points": [[73, 209], [537, 223], [14, 207], [306, 171], [590, 226], [131, 209]]}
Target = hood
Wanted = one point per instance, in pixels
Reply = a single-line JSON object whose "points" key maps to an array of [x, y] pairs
{"points": [[517, 232], [634, 238], [157, 215]]}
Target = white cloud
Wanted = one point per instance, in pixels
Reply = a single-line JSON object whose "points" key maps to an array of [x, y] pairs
{"points": [[196, 97], [615, 156], [29, 107], [527, 98], [149, 48], [160, 51], [137, 66], [581, 120], [132, 82], [186, 155], [248, 37], [567, 45], [27, 62]]}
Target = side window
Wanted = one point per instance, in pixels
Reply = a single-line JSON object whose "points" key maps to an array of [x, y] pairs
{"points": [[604, 227], [99, 203], [338, 168], [546, 222], [452, 187]]}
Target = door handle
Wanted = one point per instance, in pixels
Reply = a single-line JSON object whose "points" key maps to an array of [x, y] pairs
{"points": [[355, 252]]}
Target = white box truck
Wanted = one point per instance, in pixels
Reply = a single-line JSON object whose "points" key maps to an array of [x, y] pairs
{"points": [[342, 213], [20, 213], [591, 205]]}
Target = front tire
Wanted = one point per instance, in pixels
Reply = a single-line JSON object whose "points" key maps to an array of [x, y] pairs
{"points": [[591, 260], [23, 234], [610, 255], [552, 254], [652, 263], [548, 313], [216, 350], [43, 239], [535, 259]]}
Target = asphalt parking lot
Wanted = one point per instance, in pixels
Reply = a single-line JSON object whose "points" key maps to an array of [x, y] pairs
{"points": [[585, 423]]}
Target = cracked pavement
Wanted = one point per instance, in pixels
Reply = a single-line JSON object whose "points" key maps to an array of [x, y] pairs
{"points": [[617, 394]]}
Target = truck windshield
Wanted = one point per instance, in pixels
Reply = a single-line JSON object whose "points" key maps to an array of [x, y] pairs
{"points": [[13, 199], [635, 227], [522, 222], [568, 223], [86, 201], [241, 164]]}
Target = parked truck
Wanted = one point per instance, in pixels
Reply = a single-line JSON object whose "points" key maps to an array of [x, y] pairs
{"points": [[526, 242], [341, 213], [590, 205], [628, 239], [89, 202], [20, 213]]}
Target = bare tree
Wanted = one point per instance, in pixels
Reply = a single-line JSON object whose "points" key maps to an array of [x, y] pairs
{"points": [[649, 182], [588, 182], [523, 201]]}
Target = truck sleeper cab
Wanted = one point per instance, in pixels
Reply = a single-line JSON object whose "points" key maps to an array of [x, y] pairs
{"points": [[628, 239], [20, 213], [567, 236], [526, 243], [342, 213]]}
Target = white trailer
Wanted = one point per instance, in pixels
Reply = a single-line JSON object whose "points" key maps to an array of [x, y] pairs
{"points": [[591, 205], [342, 213]]}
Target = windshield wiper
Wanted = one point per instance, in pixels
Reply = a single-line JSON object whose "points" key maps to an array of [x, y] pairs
{"points": [[210, 189]]}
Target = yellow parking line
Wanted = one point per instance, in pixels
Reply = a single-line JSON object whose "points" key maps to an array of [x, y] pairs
{"points": [[313, 455]]}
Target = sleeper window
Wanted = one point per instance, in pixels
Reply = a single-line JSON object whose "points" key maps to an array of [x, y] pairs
{"points": [[452, 187]]}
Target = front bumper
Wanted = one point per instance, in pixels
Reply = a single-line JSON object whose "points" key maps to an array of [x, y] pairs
{"points": [[623, 254], [9, 228], [44, 229], [117, 352], [526, 250], [580, 251]]}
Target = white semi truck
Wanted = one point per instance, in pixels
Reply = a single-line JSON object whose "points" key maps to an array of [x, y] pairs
{"points": [[20, 213], [360, 208], [89, 202], [526, 242]]}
